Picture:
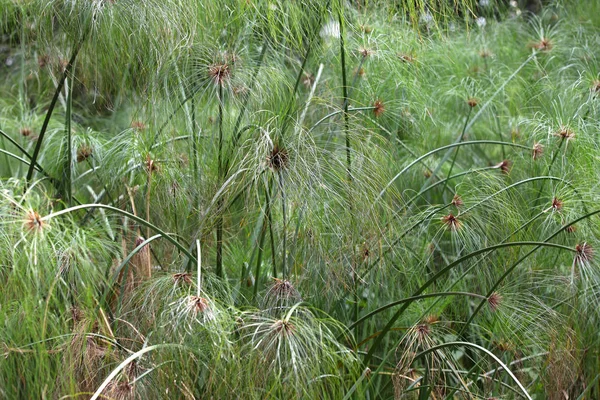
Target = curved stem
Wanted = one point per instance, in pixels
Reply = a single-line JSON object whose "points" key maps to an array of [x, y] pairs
{"points": [[334, 113], [460, 138], [483, 349], [483, 108], [413, 298], [128, 215], [38, 145], [519, 261], [439, 149], [449, 267]]}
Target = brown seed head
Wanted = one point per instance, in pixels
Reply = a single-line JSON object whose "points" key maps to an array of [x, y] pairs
{"points": [[472, 102], [422, 330], [596, 86], [219, 73], [138, 125], [182, 277], [120, 391], [34, 222], [583, 253], [407, 58], [543, 45], [494, 301], [557, 204], [565, 133], [26, 131], [504, 345], [504, 166], [451, 222], [360, 72], [77, 314], [366, 253], [278, 158], [43, 60], [150, 165], [366, 29], [485, 53], [83, 153], [538, 150], [308, 80], [199, 304], [378, 108], [457, 201], [62, 64], [571, 229], [364, 52], [283, 289], [283, 328]]}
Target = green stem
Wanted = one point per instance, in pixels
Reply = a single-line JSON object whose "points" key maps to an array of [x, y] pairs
{"points": [[409, 299], [268, 195], [482, 109], [263, 233], [482, 349], [284, 235], [460, 138], [549, 169], [128, 215], [443, 271], [516, 264], [68, 174], [38, 145], [439, 149], [220, 203]]}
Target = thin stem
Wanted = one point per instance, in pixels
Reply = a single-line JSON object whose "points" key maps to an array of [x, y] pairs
{"points": [[68, 174], [481, 110], [284, 235], [519, 261], [263, 233], [437, 150], [220, 202], [126, 214], [462, 135], [148, 193], [38, 145], [482, 349], [237, 132], [348, 158], [443, 271], [268, 196], [409, 299], [549, 169], [199, 253]]}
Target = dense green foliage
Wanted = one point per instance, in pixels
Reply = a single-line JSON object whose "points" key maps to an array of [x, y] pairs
{"points": [[299, 199]]}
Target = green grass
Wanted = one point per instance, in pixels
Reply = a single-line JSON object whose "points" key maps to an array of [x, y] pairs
{"points": [[273, 199]]}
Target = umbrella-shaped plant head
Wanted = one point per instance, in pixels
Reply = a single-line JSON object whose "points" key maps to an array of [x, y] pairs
{"points": [[271, 199]]}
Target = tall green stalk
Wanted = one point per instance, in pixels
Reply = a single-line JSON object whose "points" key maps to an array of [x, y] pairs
{"points": [[480, 112], [353, 266], [59, 86], [219, 270], [283, 216], [67, 172], [462, 135]]}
